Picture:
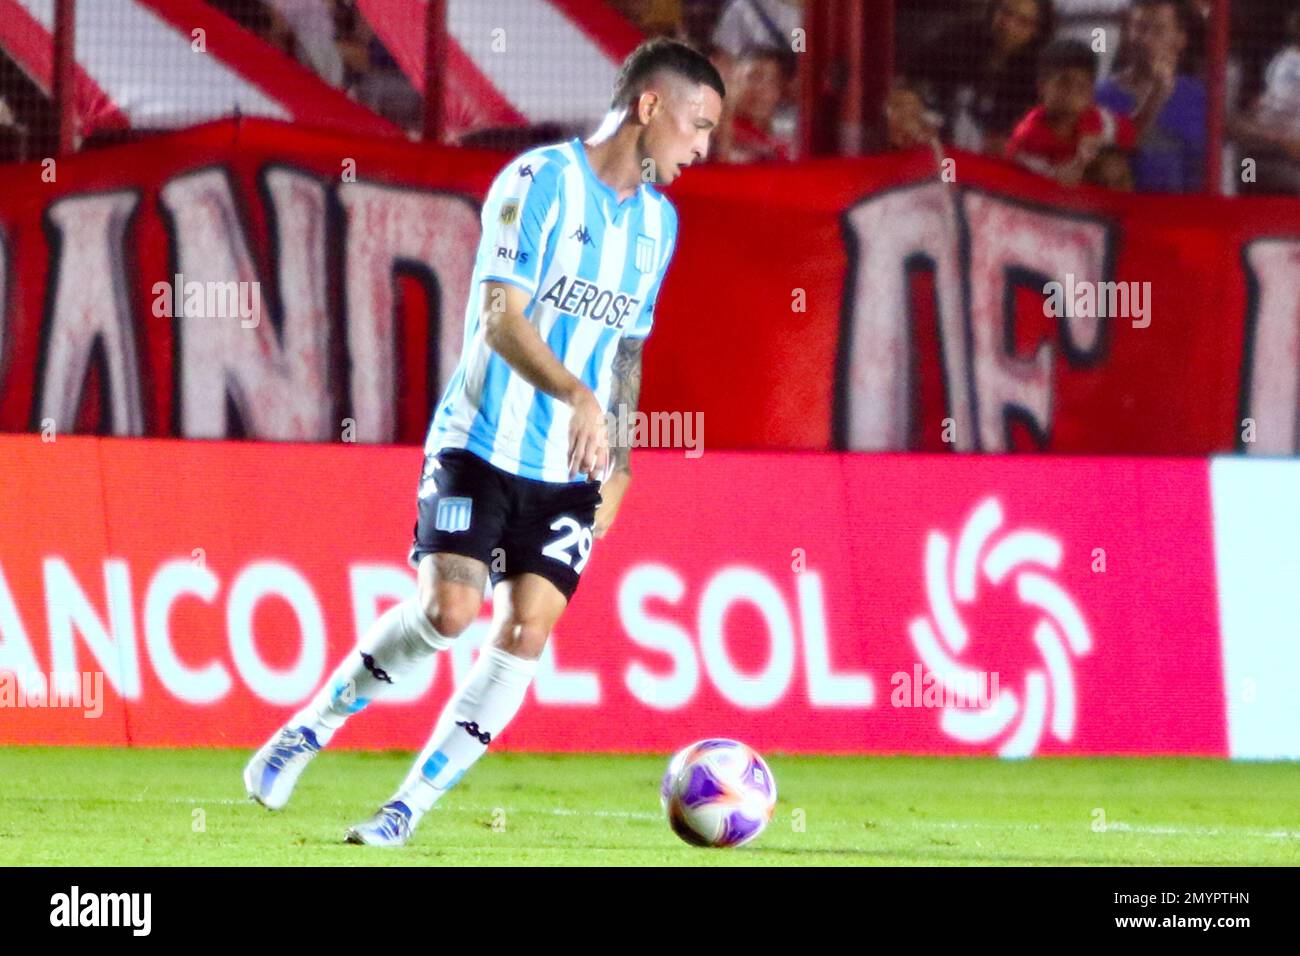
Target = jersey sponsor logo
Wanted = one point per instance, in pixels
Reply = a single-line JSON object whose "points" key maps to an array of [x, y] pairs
{"points": [[453, 514], [510, 212], [644, 256], [583, 236], [514, 255], [588, 300]]}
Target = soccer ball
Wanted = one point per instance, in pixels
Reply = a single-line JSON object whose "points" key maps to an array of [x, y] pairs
{"points": [[718, 793]]}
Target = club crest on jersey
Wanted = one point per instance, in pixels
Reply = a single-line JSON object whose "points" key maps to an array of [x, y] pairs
{"points": [[510, 212], [644, 256], [453, 514]]}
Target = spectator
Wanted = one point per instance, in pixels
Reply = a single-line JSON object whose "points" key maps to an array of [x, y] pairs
{"points": [[262, 20], [1110, 169], [653, 17], [908, 123], [756, 89], [1153, 86], [371, 76], [982, 92], [1065, 133], [1271, 128], [749, 23], [312, 23]]}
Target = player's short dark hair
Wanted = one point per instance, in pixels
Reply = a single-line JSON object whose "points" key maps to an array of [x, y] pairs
{"points": [[663, 53], [1066, 54]]}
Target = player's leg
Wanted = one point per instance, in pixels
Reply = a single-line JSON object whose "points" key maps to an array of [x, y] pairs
{"points": [[461, 511], [447, 601], [547, 546], [525, 610]]}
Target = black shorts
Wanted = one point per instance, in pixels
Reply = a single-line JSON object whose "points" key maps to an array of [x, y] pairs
{"points": [[466, 505]]}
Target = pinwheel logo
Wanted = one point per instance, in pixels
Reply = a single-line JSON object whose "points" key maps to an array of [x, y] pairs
{"points": [[952, 579]]}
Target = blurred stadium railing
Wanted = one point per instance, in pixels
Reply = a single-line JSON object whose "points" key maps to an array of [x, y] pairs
{"points": [[508, 74]]}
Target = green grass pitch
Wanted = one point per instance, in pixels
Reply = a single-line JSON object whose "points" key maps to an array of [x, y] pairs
{"points": [[90, 807]]}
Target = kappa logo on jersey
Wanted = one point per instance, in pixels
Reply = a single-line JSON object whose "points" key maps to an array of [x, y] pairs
{"points": [[514, 255], [644, 258], [527, 170], [510, 212], [453, 514], [586, 299], [582, 235]]}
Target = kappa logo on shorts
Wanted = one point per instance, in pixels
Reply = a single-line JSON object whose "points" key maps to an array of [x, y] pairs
{"points": [[453, 514]]}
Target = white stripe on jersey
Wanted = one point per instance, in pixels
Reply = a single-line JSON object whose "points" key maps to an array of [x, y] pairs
{"points": [[553, 228]]}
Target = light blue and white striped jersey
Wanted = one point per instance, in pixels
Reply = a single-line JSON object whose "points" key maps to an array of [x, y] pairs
{"points": [[593, 267]]}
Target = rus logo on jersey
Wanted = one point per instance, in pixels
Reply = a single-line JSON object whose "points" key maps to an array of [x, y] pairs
{"points": [[586, 299], [514, 255]]}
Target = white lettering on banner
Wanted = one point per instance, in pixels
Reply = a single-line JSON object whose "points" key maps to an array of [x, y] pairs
{"points": [[1272, 388], [277, 379], [720, 593], [91, 307], [173, 579], [113, 646], [890, 233], [675, 689], [422, 233], [1007, 237], [825, 688], [726, 588], [255, 582], [898, 231]]}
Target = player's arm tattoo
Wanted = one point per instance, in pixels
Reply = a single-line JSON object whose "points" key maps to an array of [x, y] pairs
{"points": [[624, 395]]}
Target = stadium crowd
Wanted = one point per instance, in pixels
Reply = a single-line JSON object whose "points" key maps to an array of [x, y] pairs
{"points": [[1111, 93]]}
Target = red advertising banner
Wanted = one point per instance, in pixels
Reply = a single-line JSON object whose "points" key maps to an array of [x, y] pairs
{"points": [[257, 280], [808, 603]]}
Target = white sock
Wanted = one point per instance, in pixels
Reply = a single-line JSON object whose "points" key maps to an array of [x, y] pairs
{"points": [[399, 639], [474, 716]]}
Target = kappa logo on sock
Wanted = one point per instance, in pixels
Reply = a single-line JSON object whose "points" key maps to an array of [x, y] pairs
{"points": [[471, 728], [379, 672]]}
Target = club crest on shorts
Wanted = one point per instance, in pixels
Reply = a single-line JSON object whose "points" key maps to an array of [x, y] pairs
{"points": [[510, 212], [453, 514], [644, 255]]}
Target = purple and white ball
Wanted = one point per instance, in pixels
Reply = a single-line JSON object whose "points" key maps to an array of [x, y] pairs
{"points": [[718, 793]]}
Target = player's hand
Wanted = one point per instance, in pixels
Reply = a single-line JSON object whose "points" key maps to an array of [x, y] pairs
{"points": [[588, 437], [611, 496]]}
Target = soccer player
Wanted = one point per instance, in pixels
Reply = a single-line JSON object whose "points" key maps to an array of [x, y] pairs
{"points": [[519, 476]]}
